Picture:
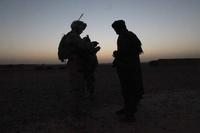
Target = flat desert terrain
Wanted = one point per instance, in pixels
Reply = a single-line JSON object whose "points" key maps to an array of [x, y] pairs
{"points": [[36, 99]]}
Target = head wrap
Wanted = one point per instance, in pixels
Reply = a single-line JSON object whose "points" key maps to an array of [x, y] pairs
{"points": [[119, 24]]}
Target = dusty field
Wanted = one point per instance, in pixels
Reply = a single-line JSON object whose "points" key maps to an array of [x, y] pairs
{"points": [[36, 100]]}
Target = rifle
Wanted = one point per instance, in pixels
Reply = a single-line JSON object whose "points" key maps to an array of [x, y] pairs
{"points": [[80, 16]]}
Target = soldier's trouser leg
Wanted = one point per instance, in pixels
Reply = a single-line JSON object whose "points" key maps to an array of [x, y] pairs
{"points": [[77, 86], [90, 82]]}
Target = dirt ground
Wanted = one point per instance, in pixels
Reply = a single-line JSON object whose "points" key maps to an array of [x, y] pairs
{"points": [[36, 99]]}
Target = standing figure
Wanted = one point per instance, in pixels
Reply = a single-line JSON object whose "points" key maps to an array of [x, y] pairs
{"points": [[76, 50], [127, 63], [91, 63]]}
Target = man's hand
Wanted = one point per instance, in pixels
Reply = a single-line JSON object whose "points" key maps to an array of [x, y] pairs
{"points": [[87, 38], [62, 60], [115, 53]]}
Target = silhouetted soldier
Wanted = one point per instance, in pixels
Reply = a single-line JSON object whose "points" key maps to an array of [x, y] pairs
{"points": [[127, 63], [76, 50]]}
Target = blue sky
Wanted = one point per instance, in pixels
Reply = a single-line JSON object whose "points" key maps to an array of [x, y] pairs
{"points": [[30, 30]]}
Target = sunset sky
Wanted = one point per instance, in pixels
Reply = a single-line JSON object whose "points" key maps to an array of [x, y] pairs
{"points": [[30, 30]]}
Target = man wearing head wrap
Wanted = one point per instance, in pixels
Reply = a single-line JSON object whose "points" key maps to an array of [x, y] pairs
{"points": [[127, 63], [76, 51]]}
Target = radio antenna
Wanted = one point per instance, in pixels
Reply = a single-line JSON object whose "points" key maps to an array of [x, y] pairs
{"points": [[80, 16]]}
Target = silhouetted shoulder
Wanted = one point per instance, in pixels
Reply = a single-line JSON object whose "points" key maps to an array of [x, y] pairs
{"points": [[72, 35], [131, 34], [136, 41]]}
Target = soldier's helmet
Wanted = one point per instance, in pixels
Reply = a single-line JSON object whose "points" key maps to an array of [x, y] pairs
{"points": [[80, 25]]}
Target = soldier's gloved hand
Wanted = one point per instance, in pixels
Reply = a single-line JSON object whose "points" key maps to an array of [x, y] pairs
{"points": [[97, 48], [87, 38], [94, 43]]}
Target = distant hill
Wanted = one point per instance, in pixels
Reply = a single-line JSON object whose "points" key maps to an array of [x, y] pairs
{"points": [[180, 61]]}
